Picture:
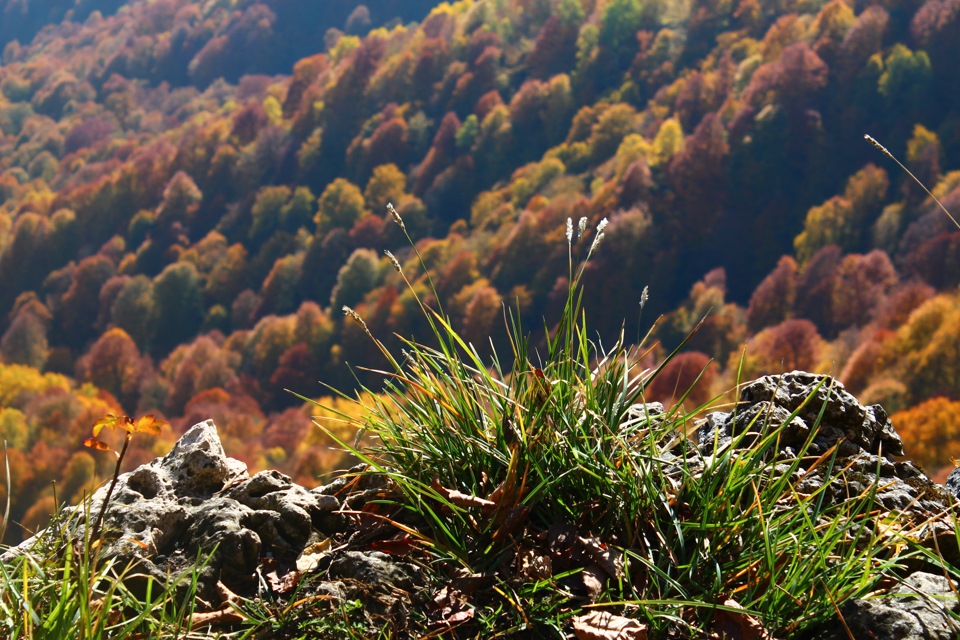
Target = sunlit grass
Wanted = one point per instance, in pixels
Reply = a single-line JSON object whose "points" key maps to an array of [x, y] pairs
{"points": [[491, 455], [544, 476]]}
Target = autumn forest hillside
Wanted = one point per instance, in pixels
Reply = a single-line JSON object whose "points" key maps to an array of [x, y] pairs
{"points": [[190, 193]]}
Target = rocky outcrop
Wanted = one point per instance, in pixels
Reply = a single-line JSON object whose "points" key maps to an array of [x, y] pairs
{"points": [[924, 607], [253, 535], [197, 507], [819, 415]]}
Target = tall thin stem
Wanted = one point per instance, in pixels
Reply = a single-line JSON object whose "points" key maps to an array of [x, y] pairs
{"points": [[113, 483]]}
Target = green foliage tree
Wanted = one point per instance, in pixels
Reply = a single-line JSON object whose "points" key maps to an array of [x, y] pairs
{"points": [[266, 212], [340, 205], [25, 340], [843, 220], [924, 156], [619, 23], [298, 212], [905, 81], [356, 278], [132, 310], [177, 306], [387, 184]]}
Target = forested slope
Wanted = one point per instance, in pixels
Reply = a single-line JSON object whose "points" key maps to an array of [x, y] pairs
{"points": [[189, 193]]}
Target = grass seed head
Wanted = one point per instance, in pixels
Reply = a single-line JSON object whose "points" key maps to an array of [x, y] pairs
{"points": [[393, 261], [396, 216]]}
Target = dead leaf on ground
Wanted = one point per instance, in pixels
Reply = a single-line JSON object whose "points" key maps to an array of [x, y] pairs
{"points": [[532, 565], [225, 616], [402, 546], [738, 625], [310, 556], [594, 577], [279, 584], [449, 609], [600, 625], [610, 560]]}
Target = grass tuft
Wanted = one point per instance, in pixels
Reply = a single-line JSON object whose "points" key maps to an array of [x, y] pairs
{"points": [[552, 479]]}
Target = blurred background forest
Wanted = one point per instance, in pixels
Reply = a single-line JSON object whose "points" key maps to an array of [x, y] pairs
{"points": [[191, 191]]}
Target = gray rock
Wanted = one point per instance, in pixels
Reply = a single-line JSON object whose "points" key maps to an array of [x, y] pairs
{"points": [[953, 482], [806, 402], [818, 416], [923, 607], [374, 568], [196, 504]]}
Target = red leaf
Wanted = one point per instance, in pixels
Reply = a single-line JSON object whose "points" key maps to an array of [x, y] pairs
{"points": [[399, 547]]}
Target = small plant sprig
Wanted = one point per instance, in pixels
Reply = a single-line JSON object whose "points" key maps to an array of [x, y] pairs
{"points": [[147, 424]]}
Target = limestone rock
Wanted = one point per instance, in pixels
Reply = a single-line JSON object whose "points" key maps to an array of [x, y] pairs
{"points": [[918, 609], [806, 401], [818, 414], [196, 505]]}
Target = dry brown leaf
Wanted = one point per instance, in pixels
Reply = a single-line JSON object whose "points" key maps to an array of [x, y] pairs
{"points": [[223, 616], [594, 577], [402, 546], [311, 555], [611, 561], [449, 609], [738, 625], [600, 625], [227, 597], [533, 566], [279, 584]]}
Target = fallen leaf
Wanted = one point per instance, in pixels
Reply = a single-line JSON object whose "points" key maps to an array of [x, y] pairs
{"points": [[279, 584], [311, 555], [223, 616], [611, 561], [738, 625], [227, 596], [600, 625], [594, 577], [560, 540], [449, 609], [533, 566], [403, 546], [468, 582]]}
